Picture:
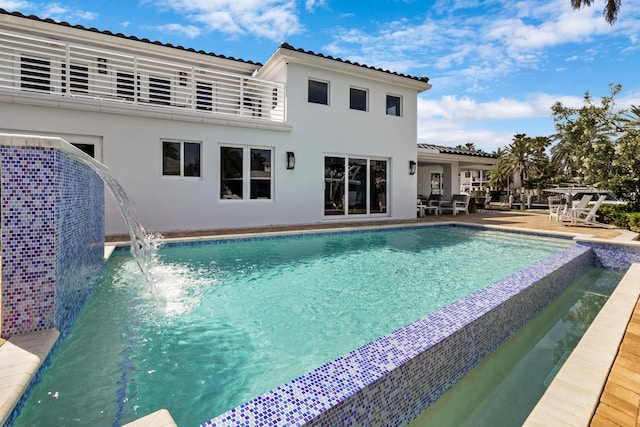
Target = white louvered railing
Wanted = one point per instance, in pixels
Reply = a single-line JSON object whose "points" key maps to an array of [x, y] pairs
{"points": [[40, 65]]}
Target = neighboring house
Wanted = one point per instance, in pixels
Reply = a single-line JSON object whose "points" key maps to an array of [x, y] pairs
{"points": [[204, 141], [447, 171]]}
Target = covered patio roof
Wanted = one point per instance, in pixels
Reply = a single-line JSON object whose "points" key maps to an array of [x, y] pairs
{"points": [[467, 159]]}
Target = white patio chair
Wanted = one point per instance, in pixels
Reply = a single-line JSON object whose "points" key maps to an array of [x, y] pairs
{"points": [[458, 203], [555, 206], [585, 216]]}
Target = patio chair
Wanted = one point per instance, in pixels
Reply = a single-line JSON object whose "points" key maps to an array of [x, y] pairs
{"points": [[555, 207], [583, 202], [433, 203], [486, 205], [585, 216], [458, 203]]}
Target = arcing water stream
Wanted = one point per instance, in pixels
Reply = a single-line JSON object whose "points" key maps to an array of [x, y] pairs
{"points": [[143, 245]]}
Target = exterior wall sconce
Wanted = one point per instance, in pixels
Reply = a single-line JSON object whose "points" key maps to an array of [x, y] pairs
{"points": [[412, 167], [291, 160]]}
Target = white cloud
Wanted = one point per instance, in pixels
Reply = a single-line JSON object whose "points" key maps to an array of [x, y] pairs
{"points": [[55, 11], [453, 120], [13, 5], [471, 50], [311, 5], [270, 19], [188, 31]]}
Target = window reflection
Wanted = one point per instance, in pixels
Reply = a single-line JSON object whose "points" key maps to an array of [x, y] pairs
{"points": [[357, 186], [231, 173], [334, 168], [260, 174], [378, 186]]}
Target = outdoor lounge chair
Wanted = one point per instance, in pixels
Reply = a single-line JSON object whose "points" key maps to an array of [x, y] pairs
{"points": [[585, 216], [557, 208], [458, 203]]}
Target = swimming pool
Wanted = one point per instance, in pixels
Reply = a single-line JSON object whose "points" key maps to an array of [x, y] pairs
{"points": [[242, 318]]}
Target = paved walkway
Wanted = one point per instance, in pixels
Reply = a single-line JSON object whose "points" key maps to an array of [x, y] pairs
{"points": [[520, 220]]}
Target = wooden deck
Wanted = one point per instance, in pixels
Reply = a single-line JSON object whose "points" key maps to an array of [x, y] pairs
{"points": [[620, 401]]}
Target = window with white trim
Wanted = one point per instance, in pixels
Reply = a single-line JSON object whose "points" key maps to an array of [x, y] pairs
{"points": [[358, 99], [394, 105], [246, 171], [181, 158], [318, 92]]}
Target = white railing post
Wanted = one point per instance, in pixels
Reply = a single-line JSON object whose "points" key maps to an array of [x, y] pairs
{"points": [[136, 80]]}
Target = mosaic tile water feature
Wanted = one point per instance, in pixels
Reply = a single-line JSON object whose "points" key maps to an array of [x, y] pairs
{"points": [[52, 237]]}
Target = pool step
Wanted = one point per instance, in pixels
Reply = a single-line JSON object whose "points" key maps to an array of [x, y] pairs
{"points": [[161, 418]]}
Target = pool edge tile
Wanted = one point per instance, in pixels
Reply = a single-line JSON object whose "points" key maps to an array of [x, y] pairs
{"points": [[24, 354]]}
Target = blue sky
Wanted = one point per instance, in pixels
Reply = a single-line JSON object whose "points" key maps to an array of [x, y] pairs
{"points": [[496, 66]]}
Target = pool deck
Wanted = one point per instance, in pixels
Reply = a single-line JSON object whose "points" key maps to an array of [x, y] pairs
{"points": [[619, 403]]}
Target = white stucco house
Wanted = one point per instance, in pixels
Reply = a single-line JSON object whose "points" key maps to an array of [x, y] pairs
{"points": [[203, 141]]}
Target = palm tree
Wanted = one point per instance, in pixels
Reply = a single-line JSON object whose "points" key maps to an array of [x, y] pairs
{"points": [[525, 156], [499, 177], [611, 8], [468, 146]]}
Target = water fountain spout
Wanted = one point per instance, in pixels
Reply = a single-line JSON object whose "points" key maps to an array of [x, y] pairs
{"points": [[143, 245]]}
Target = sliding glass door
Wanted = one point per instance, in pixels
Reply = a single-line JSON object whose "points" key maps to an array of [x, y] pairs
{"points": [[354, 186]]}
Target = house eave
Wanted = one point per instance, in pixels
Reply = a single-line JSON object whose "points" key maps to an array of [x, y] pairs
{"points": [[288, 55]]}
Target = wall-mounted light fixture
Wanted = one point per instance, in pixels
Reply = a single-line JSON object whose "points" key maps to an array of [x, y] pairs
{"points": [[412, 167], [291, 160]]}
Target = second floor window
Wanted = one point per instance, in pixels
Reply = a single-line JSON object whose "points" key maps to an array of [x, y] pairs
{"points": [[358, 99], [393, 105], [318, 92]]}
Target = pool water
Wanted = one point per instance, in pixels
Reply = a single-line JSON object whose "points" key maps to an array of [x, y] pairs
{"points": [[505, 387], [227, 322]]}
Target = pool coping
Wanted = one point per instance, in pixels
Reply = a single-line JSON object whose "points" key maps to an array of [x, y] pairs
{"points": [[38, 345], [21, 356], [572, 397]]}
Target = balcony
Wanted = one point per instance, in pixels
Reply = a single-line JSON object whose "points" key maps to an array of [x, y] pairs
{"points": [[39, 66]]}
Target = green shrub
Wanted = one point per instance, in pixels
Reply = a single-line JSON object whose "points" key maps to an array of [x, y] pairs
{"points": [[634, 222], [616, 215]]}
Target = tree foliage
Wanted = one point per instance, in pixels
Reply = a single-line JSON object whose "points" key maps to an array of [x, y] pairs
{"points": [[610, 12], [525, 158], [599, 145]]}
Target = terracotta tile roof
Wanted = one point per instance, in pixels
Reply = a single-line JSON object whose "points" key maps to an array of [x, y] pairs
{"points": [[286, 45], [109, 33], [459, 151], [169, 45]]}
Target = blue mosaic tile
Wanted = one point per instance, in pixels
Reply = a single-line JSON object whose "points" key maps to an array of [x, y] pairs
{"points": [[52, 237], [614, 257]]}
